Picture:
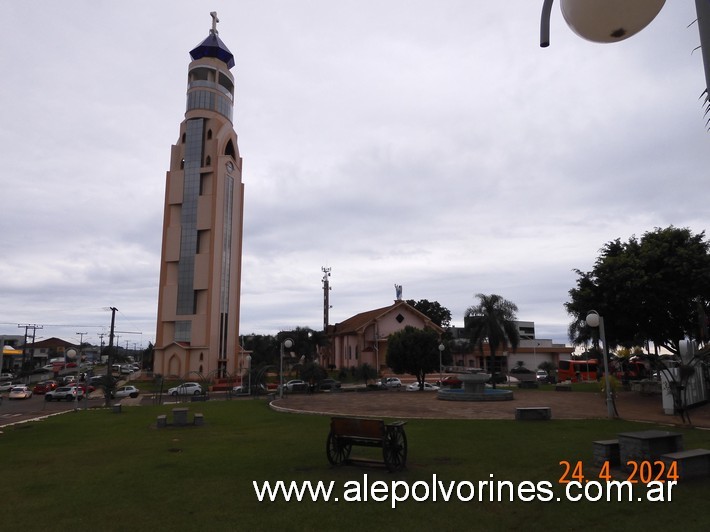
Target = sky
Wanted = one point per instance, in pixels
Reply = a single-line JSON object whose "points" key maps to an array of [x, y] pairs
{"points": [[431, 144]]}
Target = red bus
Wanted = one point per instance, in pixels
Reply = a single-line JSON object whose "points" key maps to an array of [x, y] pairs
{"points": [[577, 370]]}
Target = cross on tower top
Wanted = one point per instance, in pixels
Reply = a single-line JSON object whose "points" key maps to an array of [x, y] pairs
{"points": [[215, 20]]}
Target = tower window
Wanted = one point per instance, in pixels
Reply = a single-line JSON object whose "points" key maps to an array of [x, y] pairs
{"points": [[229, 150], [226, 83]]}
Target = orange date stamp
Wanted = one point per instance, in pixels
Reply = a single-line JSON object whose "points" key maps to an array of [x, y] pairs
{"points": [[643, 472]]}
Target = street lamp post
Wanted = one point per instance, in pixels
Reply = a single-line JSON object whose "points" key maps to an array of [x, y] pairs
{"points": [[248, 361], [595, 320], [71, 354], [441, 352], [287, 344]]}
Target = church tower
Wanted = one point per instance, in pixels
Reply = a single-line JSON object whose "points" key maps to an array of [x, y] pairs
{"points": [[200, 272]]}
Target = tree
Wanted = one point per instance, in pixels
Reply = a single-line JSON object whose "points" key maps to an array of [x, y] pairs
{"points": [[492, 321], [365, 372], [414, 351], [432, 310], [313, 373], [654, 289]]}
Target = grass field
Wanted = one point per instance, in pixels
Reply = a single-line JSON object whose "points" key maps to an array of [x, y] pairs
{"points": [[109, 471]]}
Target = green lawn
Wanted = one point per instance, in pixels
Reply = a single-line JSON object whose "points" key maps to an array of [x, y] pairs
{"points": [[118, 472]]}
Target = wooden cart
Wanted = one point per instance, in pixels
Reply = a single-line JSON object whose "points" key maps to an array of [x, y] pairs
{"points": [[346, 432]]}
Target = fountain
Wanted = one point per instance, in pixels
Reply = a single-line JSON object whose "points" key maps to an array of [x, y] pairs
{"points": [[474, 389]]}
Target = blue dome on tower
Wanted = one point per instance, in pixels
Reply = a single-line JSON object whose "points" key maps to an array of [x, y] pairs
{"points": [[213, 46]]}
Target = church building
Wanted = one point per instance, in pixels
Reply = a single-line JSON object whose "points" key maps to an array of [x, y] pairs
{"points": [[200, 273]]}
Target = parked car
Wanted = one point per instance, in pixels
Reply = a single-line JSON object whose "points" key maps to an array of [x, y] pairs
{"points": [[20, 392], [43, 387], [500, 378], [296, 385], [186, 388], [244, 389], [428, 387], [6, 376], [86, 388], [451, 381], [390, 382], [126, 391], [542, 376], [100, 380], [7, 385], [329, 384], [64, 393]]}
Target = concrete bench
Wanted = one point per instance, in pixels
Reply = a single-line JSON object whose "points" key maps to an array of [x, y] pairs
{"points": [[533, 413], [180, 416], [694, 463], [606, 451], [563, 387], [116, 408], [647, 445], [180, 419]]}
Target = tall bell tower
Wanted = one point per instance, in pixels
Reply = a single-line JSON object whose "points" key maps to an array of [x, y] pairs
{"points": [[200, 271]]}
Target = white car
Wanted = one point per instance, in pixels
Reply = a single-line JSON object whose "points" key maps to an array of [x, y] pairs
{"points": [[7, 386], [414, 387], [296, 385], [20, 392], [65, 393], [391, 382], [126, 391], [186, 388]]}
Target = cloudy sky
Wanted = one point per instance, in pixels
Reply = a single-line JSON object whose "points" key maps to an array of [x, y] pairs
{"points": [[431, 144]]}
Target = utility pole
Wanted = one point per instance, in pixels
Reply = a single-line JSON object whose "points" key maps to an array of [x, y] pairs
{"points": [[27, 327], [101, 345], [81, 346], [108, 384], [326, 297]]}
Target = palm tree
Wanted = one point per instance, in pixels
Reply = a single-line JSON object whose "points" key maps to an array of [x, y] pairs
{"points": [[492, 320]]}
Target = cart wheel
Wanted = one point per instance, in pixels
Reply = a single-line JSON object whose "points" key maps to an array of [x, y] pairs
{"points": [[337, 451], [394, 449]]}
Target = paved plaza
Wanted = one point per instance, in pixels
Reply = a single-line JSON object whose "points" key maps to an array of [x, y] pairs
{"points": [[564, 405]]}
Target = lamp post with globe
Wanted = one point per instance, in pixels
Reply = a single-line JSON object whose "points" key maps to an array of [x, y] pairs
{"points": [[286, 344], [607, 21], [595, 320]]}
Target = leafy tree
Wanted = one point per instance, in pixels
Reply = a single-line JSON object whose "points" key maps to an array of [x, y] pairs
{"points": [[365, 372], [147, 356], [492, 321], [655, 289], [264, 349], [414, 351], [313, 373], [432, 310]]}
